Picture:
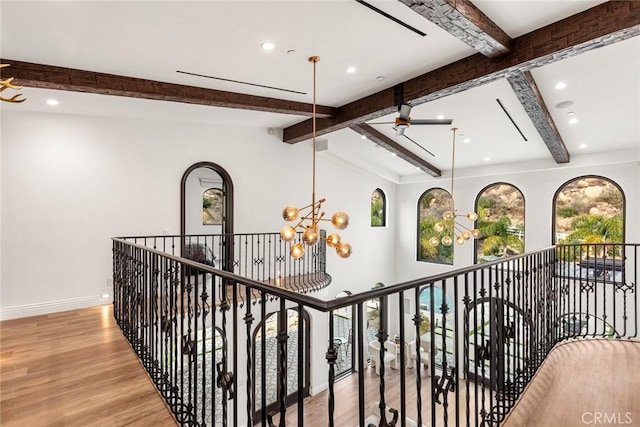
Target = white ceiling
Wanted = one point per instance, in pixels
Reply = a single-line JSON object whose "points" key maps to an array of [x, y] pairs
{"points": [[154, 39]]}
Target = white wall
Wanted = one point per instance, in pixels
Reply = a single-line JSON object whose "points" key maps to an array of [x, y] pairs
{"points": [[70, 183]]}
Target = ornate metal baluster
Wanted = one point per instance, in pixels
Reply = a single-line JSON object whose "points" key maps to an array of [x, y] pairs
{"points": [[248, 321], [282, 356]]}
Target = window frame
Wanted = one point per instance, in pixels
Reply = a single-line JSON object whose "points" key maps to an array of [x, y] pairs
{"points": [[418, 236], [383, 197], [578, 178], [475, 206]]}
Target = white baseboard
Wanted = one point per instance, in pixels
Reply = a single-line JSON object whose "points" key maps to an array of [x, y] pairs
{"points": [[318, 388], [37, 309]]}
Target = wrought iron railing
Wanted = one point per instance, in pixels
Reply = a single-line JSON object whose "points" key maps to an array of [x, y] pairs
{"points": [[228, 350], [260, 256]]}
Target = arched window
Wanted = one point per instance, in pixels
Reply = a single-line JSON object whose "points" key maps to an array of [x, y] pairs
{"points": [[431, 205], [589, 209], [500, 209], [378, 208]]}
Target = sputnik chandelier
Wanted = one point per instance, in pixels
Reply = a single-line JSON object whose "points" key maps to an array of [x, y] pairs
{"points": [[308, 222], [449, 223]]}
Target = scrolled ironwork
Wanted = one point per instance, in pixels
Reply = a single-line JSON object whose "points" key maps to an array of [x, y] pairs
{"points": [[488, 346]]}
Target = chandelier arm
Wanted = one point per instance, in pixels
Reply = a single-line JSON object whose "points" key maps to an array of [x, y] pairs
{"points": [[462, 227], [315, 60], [453, 164], [315, 214]]}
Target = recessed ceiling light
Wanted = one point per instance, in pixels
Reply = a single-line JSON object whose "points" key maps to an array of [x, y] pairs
{"points": [[560, 85], [364, 136], [573, 120], [486, 159], [583, 146], [440, 116], [418, 168], [52, 102], [291, 51], [571, 113], [393, 154], [564, 104], [267, 45], [466, 140], [351, 70], [380, 78]]}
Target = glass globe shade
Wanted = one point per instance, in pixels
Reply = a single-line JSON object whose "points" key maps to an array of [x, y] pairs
{"points": [[447, 240], [472, 216], [438, 227], [434, 242], [310, 235], [466, 235], [290, 213], [448, 215], [340, 220], [343, 249], [459, 240], [287, 233], [333, 239], [475, 233], [297, 250]]}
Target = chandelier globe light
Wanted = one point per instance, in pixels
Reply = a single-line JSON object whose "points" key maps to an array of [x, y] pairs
{"points": [[307, 219], [449, 224]]}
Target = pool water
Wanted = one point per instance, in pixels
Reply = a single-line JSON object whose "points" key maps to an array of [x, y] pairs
{"points": [[425, 300]]}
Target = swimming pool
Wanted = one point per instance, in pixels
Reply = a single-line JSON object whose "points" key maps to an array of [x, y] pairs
{"points": [[425, 300]]}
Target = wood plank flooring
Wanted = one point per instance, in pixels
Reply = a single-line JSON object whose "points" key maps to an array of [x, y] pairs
{"points": [[346, 398], [591, 382], [74, 369]]}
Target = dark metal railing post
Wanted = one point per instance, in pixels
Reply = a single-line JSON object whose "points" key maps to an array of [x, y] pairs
{"points": [[360, 341], [417, 321], [248, 320], [302, 368], [282, 357], [331, 357]]}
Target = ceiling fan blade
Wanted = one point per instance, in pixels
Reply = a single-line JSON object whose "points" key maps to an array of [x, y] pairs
{"points": [[383, 123], [404, 111], [419, 145], [431, 121]]}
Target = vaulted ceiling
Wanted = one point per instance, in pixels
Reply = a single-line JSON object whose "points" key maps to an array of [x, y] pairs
{"points": [[490, 66]]}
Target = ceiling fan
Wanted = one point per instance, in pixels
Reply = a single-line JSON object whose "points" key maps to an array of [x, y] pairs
{"points": [[403, 121]]}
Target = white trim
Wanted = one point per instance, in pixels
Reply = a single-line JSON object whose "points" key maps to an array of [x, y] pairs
{"points": [[318, 388], [51, 307]]}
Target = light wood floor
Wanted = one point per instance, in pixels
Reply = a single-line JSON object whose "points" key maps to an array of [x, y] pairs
{"points": [[77, 369], [74, 369], [346, 397], [591, 382]]}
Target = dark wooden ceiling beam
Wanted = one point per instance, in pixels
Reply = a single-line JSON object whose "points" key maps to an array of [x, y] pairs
{"points": [[69, 79], [599, 26], [384, 141], [465, 21], [526, 90]]}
